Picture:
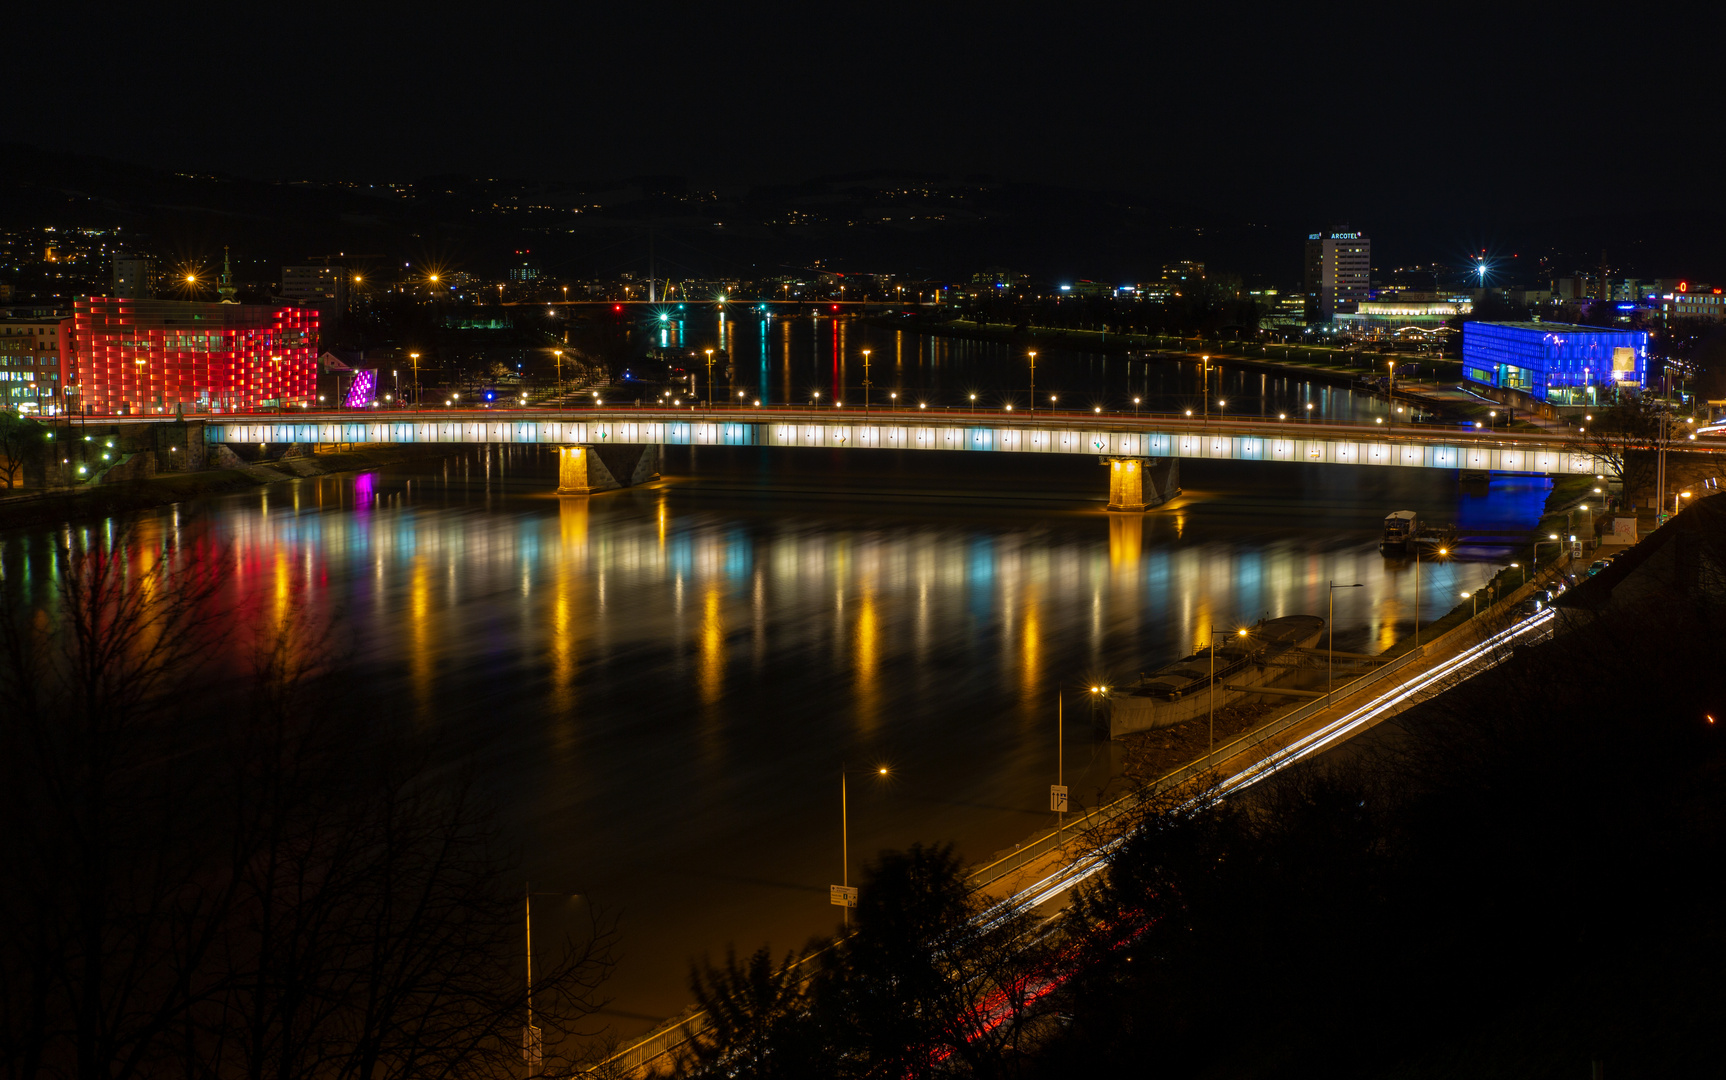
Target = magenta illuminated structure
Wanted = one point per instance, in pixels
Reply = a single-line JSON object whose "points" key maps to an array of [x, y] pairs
{"points": [[361, 390], [162, 356]]}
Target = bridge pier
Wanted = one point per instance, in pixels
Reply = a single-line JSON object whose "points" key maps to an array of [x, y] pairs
{"points": [[1137, 484], [584, 468]]}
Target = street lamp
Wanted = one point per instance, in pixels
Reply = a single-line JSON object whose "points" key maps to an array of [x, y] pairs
{"points": [[1211, 755], [1033, 354], [1205, 386], [1534, 553], [845, 845], [1330, 653], [558, 353], [530, 1042], [866, 382], [1475, 597], [1058, 793], [710, 376], [1442, 552]]}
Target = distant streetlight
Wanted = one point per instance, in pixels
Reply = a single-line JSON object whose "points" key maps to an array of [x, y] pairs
{"points": [[866, 381], [558, 354], [1033, 355], [709, 375]]}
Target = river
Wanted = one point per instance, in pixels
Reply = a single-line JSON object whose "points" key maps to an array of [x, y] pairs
{"points": [[660, 685]]}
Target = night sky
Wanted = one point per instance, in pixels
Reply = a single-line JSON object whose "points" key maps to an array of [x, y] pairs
{"points": [[1328, 110]]}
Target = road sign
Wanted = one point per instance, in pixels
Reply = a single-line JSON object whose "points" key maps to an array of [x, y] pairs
{"points": [[1058, 798], [842, 896]]}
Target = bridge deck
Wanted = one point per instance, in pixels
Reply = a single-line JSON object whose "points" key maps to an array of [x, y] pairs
{"points": [[1065, 433]]}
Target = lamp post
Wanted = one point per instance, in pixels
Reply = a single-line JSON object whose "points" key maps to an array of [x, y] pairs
{"points": [[1441, 551], [1211, 755], [1058, 793], [1205, 385], [1534, 552], [1033, 354], [866, 382], [1330, 653], [710, 376], [1475, 606], [558, 353], [415, 357], [845, 842], [530, 1041]]}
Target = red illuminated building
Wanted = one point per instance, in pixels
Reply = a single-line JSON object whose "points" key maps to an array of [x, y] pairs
{"points": [[159, 356]]}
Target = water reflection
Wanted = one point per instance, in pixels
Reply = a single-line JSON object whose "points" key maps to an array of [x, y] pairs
{"points": [[657, 683]]}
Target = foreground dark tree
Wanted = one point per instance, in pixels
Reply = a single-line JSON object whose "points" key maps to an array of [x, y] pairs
{"points": [[1625, 439], [757, 1019], [222, 873], [20, 437], [934, 981]]}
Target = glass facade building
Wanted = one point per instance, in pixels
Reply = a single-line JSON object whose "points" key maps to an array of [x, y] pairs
{"points": [[1554, 362], [157, 356]]}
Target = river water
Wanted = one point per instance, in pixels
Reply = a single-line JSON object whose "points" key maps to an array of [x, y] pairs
{"points": [[661, 685]]}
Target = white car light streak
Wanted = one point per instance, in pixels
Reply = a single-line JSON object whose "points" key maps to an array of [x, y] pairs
{"points": [[1076, 873]]}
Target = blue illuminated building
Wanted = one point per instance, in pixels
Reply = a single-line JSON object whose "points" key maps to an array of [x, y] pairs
{"points": [[1554, 362]]}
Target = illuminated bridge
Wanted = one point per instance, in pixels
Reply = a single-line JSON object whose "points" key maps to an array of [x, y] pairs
{"points": [[604, 448]]}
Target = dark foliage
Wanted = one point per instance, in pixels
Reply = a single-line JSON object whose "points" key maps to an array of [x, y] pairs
{"points": [[928, 985], [216, 873]]}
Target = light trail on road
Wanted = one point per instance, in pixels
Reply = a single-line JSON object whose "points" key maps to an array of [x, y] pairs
{"points": [[1482, 655]]}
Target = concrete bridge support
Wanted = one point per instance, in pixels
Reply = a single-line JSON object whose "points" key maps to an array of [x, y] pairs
{"points": [[1137, 484], [585, 468]]}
